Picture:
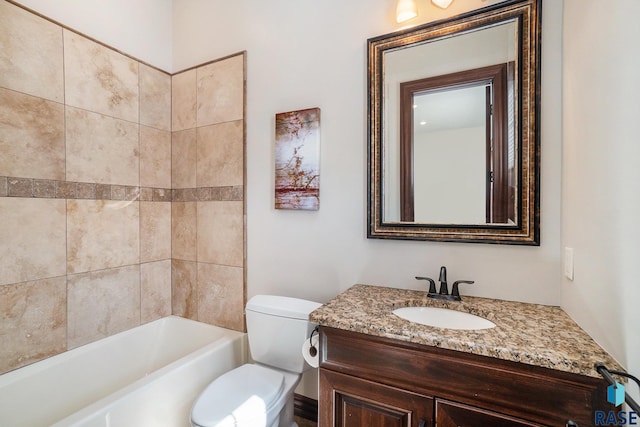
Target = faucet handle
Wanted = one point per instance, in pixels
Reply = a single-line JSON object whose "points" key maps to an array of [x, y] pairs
{"points": [[432, 284], [454, 290]]}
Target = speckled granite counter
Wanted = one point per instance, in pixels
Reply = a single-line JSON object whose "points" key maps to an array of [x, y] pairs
{"points": [[529, 333]]}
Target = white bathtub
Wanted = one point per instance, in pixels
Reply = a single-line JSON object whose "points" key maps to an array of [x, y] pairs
{"points": [[148, 376]]}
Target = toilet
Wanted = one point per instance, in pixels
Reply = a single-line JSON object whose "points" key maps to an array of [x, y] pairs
{"points": [[260, 394]]}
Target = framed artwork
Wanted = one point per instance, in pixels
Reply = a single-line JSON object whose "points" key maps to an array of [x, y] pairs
{"points": [[298, 160]]}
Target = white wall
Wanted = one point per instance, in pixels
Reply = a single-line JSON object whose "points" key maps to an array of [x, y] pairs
{"points": [[140, 28], [304, 54], [601, 176]]}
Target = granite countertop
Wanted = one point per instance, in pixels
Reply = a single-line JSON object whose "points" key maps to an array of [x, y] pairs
{"points": [[528, 333]]}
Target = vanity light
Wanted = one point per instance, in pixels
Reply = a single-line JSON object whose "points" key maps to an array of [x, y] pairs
{"points": [[406, 10], [442, 3]]}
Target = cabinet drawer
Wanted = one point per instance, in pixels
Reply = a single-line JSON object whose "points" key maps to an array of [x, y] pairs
{"points": [[450, 414], [524, 391]]}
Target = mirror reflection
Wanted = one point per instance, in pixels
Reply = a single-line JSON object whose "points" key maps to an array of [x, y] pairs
{"points": [[453, 128], [456, 131]]}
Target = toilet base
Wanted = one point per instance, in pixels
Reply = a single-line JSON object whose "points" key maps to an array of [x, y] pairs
{"points": [[286, 415]]}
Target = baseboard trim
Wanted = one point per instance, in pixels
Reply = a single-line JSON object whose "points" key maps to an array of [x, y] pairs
{"points": [[305, 407]]}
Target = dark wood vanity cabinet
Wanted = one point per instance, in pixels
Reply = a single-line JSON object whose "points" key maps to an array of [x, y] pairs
{"points": [[369, 381], [359, 402]]}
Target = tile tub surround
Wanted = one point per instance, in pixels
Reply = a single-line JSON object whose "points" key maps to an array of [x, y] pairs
{"points": [[527, 333], [98, 158], [208, 236]]}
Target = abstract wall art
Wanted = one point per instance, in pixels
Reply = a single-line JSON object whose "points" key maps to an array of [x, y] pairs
{"points": [[297, 157]]}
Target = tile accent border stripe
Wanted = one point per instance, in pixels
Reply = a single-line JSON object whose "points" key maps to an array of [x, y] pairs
{"points": [[53, 189]]}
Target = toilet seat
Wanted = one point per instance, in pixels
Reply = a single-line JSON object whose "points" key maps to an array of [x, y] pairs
{"points": [[241, 397]]}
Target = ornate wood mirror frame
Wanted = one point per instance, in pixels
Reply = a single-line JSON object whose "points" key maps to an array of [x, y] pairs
{"points": [[390, 129]]}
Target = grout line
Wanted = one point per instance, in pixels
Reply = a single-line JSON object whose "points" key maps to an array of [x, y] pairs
{"points": [[139, 201], [66, 201]]}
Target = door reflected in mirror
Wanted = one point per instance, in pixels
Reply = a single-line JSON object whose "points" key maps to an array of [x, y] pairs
{"points": [[453, 128], [457, 148], [447, 184]]}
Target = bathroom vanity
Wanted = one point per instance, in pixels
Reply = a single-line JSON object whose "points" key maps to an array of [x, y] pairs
{"points": [[534, 368]]}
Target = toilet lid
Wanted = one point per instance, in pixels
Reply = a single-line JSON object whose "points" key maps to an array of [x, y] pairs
{"points": [[242, 396]]}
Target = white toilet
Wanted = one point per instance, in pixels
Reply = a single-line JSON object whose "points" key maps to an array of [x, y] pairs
{"points": [[260, 394]]}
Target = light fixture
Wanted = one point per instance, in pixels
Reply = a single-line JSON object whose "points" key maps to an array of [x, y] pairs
{"points": [[442, 3], [406, 10]]}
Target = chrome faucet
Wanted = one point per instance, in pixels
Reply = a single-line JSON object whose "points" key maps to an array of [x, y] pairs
{"points": [[444, 287]]}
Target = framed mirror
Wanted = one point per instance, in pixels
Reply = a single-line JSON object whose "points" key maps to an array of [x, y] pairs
{"points": [[453, 141]]}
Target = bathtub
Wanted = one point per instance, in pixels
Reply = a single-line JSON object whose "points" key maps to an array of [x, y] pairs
{"points": [[148, 376]]}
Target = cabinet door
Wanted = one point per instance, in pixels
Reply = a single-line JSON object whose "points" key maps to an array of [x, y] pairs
{"points": [[450, 414], [347, 401]]}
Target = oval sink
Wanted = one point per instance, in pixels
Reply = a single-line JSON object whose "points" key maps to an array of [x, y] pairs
{"points": [[443, 318]]}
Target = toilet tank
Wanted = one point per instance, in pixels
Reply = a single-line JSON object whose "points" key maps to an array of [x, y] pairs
{"points": [[277, 327]]}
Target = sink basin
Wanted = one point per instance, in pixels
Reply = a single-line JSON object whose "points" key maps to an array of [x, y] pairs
{"points": [[443, 318]]}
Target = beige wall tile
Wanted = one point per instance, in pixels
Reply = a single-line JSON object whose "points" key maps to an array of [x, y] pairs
{"points": [[100, 79], [155, 290], [183, 100], [31, 136], [102, 234], [101, 149], [155, 231], [183, 159], [34, 321], [102, 303], [155, 157], [32, 239], [30, 53], [220, 155], [184, 294], [183, 230], [221, 91], [155, 98], [221, 296], [221, 233]]}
